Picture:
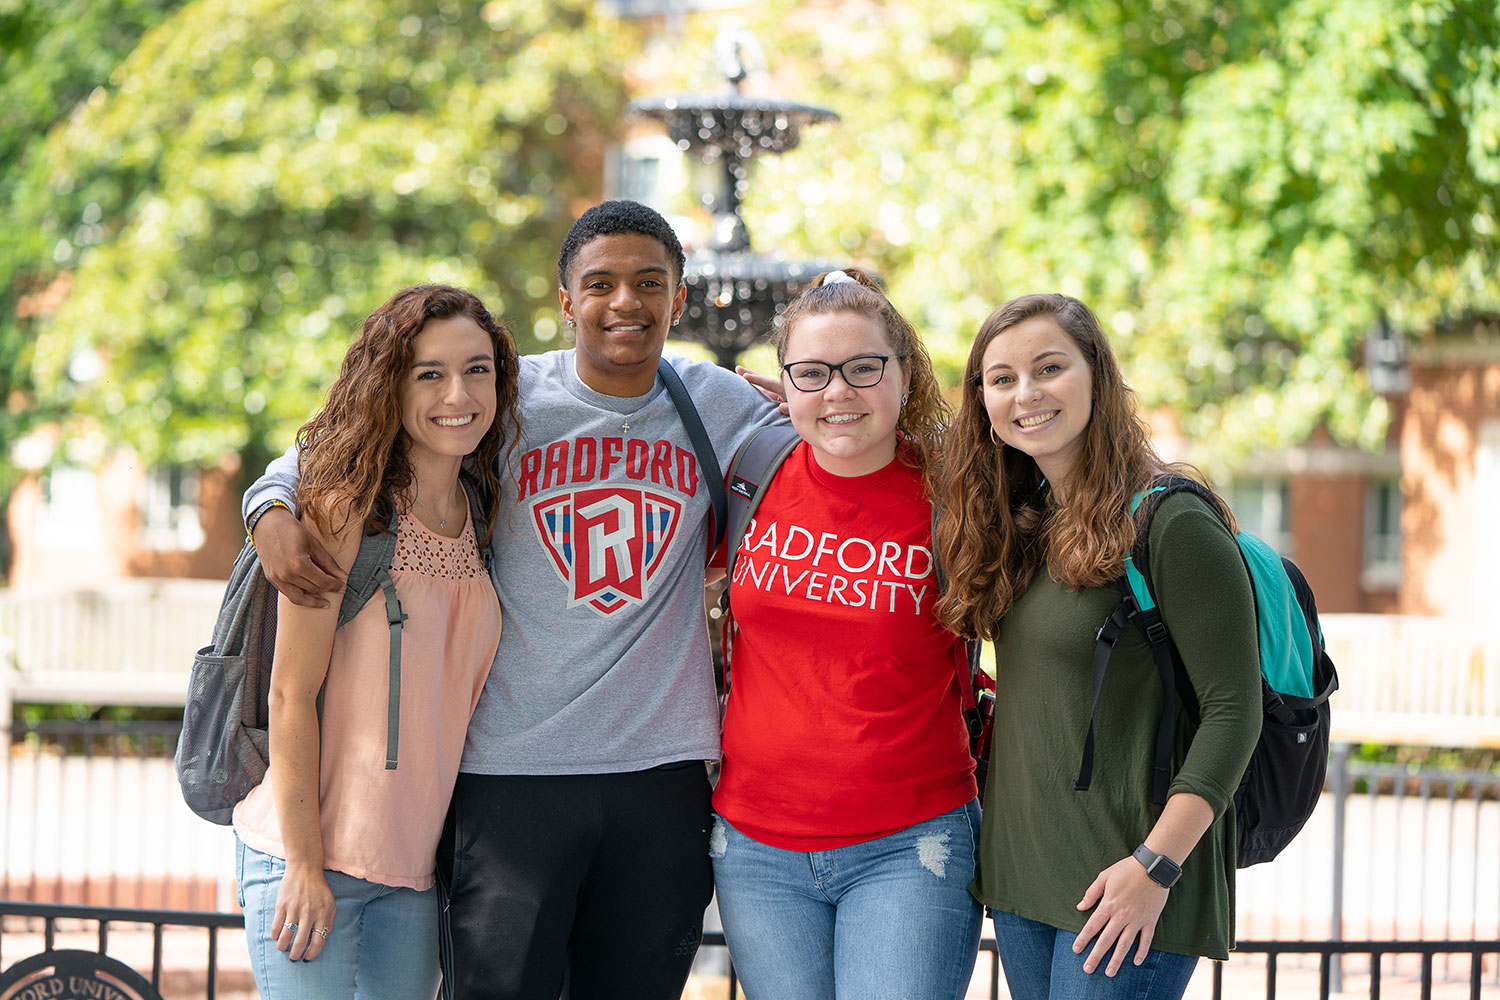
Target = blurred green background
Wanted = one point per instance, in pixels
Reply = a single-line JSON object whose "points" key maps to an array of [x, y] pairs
{"points": [[201, 199]]}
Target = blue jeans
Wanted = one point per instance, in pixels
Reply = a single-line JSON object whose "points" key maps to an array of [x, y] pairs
{"points": [[1040, 965], [384, 941], [888, 919]]}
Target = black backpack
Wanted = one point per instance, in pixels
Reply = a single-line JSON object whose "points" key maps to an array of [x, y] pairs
{"points": [[750, 473], [1284, 779], [223, 751]]}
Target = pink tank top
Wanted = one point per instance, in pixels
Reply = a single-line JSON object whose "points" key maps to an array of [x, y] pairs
{"points": [[380, 825]]}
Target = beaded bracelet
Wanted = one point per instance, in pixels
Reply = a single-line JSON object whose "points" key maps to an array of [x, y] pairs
{"points": [[260, 512]]}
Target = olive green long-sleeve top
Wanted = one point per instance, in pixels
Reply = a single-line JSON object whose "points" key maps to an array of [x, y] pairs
{"points": [[1043, 843]]}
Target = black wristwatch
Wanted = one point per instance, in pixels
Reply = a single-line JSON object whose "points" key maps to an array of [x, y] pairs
{"points": [[1163, 870]]}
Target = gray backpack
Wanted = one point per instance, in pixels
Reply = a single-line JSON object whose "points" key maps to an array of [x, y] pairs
{"points": [[224, 748]]}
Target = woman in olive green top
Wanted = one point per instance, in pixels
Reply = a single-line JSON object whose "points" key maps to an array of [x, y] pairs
{"points": [[1041, 466]]}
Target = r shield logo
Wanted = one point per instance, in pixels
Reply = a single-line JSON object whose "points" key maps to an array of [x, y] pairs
{"points": [[607, 544]]}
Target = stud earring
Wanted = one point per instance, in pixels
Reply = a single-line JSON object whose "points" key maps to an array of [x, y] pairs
{"points": [[904, 397], [571, 323]]}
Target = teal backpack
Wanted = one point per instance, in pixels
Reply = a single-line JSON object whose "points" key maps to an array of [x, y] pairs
{"points": [[1284, 779]]}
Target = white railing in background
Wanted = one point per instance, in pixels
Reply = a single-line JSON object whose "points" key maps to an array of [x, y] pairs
{"points": [[1404, 679], [127, 642]]}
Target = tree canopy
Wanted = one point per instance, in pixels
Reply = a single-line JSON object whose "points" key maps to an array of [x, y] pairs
{"points": [[53, 54], [257, 175], [1240, 188]]}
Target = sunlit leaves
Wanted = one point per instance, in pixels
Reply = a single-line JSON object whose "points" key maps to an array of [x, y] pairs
{"points": [[1239, 188], [266, 172]]}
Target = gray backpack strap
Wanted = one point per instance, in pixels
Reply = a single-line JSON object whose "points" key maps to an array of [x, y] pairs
{"points": [[371, 572], [750, 472], [395, 616], [481, 509], [375, 552]]}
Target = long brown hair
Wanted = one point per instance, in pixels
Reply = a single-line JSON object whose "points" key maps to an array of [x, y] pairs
{"points": [[926, 413], [353, 454], [1000, 521]]}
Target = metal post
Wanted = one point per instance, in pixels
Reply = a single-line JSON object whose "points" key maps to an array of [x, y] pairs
{"points": [[1340, 769]]}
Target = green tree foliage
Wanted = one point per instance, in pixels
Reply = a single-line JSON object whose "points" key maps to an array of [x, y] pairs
{"points": [[259, 174], [1241, 188], [53, 54]]}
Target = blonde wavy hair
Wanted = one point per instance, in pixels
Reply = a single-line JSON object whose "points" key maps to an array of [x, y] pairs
{"points": [[999, 520], [926, 414], [352, 459]]}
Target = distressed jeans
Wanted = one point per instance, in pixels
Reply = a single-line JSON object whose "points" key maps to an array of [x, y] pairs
{"points": [[888, 919]]}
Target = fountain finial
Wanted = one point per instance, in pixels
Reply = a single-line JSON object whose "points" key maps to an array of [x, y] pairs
{"points": [[734, 293], [736, 53]]}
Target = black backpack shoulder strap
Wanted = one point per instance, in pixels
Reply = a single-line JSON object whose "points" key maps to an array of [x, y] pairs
{"points": [[937, 564], [970, 648], [1149, 621], [708, 462], [750, 472]]}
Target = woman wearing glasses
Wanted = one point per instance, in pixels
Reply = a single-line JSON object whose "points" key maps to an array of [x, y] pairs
{"points": [[846, 826]]}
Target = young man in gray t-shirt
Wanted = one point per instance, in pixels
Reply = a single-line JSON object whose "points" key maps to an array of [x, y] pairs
{"points": [[576, 847]]}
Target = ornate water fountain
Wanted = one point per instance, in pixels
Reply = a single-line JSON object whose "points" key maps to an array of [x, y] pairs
{"points": [[734, 293]]}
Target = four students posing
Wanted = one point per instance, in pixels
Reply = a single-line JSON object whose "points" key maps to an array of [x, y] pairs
{"points": [[577, 850]]}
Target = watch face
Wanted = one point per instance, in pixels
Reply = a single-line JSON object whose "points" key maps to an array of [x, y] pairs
{"points": [[1164, 871]]}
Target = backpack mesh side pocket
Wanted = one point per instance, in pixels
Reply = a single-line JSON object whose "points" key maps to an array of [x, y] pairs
{"points": [[224, 747], [1283, 780]]}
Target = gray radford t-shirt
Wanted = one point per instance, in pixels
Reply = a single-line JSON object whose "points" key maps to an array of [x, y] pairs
{"points": [[599, 548]]}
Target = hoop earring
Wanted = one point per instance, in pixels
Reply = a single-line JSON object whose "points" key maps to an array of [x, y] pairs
{"points": [[996, 437]]}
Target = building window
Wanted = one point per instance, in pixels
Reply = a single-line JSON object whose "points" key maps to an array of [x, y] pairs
{"points": [[69, 517], [169, 509], [1382, 568], [1262, 508], [649, 169]]}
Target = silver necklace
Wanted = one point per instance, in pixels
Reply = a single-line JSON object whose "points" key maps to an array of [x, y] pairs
{"points": [[442, 521], [609, 403]]}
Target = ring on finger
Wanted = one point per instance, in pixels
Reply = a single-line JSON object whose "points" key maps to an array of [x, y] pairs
{"points": [[292, 928], [323, 931]]}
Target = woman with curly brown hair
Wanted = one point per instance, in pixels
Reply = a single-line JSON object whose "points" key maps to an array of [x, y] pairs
{"points": [[337, 845], [846, 825], [1042, 464]]}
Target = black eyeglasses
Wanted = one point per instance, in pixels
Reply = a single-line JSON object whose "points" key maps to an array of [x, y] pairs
{"points": [[857, 373]]}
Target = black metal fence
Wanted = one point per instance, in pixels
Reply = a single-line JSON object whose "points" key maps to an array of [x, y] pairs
{"points": [[1442, 825], [1327, 952]]}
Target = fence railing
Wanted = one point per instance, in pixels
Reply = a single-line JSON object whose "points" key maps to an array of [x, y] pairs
{"points": [[90, 814], [1327, 952], [1406, 679], [1425, 681], [126, 642]]}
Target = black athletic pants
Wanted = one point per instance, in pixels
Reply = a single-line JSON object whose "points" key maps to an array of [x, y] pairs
{"points": [[584, 886]]}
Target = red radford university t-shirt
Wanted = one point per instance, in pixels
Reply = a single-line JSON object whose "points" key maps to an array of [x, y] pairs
{"points": [[843, 721]]}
